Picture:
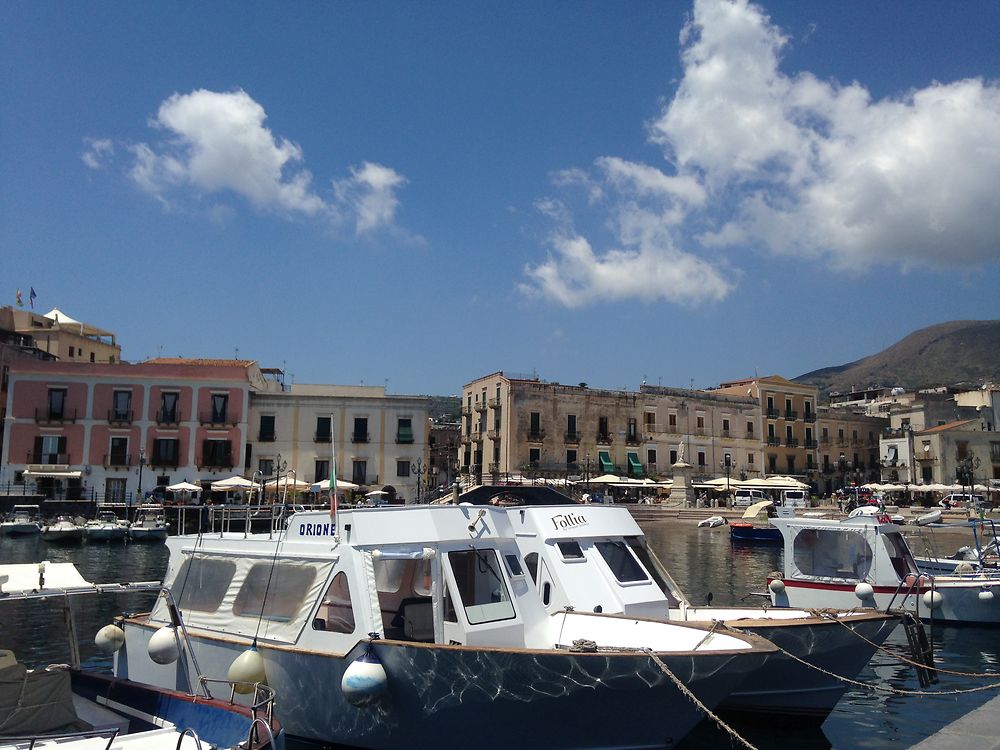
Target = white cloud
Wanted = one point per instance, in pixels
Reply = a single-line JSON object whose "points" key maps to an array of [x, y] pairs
{"points": [[97, 153], [218, 142], [785, 163], [817, 169]]}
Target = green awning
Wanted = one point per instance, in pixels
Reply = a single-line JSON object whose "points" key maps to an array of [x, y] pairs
{"points": [[634, 465], [605, 458]]}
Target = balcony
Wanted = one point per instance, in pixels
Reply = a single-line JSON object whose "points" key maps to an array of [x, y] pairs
{"points": [[404, 438], [219, 461], [117, 460], [214, 419], [54, 416], [653, 428], [493, 434], [791, 414], [633, 439], [809, 416], [825, 439], [536, 436], [266, 436], [361, 437], [168, 416], [771, 413], [479, 406], [466, 411], [493, 403], [466, 439], [701, 431], [926, 457], [774, 441], [726, 433], [322, 437], [604, 438], [572, 437], [791, 442], [120, 416], [164, 460], [810, 444], [48, 459]]}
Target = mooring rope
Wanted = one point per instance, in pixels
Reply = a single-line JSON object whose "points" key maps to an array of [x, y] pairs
{"points": [[880, 647]]}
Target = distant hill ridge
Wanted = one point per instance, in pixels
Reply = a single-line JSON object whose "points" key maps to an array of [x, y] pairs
{"points": [[960, 351]]}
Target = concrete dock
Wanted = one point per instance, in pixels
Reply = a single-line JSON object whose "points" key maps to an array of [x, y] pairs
{"points": [[978, 730]]}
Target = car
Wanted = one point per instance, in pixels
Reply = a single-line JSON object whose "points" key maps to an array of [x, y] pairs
{"points": [[963, 500], [795, 499], [747, 497]]}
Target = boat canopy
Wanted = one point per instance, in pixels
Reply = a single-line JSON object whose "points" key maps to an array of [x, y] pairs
{"points": [[756, 508]]}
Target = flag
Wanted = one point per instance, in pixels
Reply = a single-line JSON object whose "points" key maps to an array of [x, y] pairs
{"points": [[20, 302], [31, 297]]}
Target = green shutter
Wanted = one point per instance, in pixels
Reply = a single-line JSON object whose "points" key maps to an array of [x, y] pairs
{"points": [[605, 458]]}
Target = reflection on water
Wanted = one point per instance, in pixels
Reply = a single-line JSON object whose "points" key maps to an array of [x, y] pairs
{"points": [[702, 561]]}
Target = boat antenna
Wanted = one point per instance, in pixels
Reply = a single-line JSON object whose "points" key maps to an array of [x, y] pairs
{"points": [[333, 482]]}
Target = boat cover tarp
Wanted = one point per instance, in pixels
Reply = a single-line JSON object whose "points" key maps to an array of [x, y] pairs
{"points": [[36, 702]]}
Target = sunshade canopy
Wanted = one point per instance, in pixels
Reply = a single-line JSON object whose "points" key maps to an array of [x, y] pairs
{"points": [[184, 487]]}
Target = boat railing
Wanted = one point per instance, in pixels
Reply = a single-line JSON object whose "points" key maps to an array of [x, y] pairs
{"points": [[261, 704], [194, 735], [30, 741]]}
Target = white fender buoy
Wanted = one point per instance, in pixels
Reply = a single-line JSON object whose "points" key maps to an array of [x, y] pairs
{"points": [[777, 586], [109, 639], [964, 568], [162, 647], [364, 680], [246, 670], [864, 591], [985, 595], [932, 599]]}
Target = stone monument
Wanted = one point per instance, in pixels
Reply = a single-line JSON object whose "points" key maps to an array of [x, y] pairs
{"points": [[682, 493]]}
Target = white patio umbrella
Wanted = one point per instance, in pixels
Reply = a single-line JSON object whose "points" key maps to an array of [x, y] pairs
{"points": [[342, 484], [288, 482], [230, 484], [184, 487], [605, 479]]}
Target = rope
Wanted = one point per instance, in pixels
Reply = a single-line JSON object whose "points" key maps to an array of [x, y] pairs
{"points": [[911, 662], [694, 699], [584, 645]]}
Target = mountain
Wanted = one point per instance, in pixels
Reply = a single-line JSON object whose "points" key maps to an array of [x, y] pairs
{"points": [[961, 351]]}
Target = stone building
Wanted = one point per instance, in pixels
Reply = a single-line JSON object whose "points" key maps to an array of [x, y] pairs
{"points": [[521, 425]]}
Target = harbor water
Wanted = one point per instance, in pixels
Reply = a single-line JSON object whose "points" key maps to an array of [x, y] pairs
{"points": [[702, 561]]}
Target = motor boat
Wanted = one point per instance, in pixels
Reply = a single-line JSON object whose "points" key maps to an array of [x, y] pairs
{"points": [[106, 527], [755, 527], [150, 524], [65, 707], [865, 561], [595, 558], [982, 556], [23, 520], [63, 530], [379, 626]]}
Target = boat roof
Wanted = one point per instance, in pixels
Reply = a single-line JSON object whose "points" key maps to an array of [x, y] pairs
{"points": [[515, 494], [45, 579], [756, 508]]}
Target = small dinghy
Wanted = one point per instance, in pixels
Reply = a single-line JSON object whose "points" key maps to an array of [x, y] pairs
{"points": [[711, 522]]}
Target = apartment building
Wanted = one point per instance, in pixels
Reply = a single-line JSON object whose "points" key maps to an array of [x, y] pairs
{"points": [[66, 339], [848, 448], [381, 440], [522, 425], [78, 430], [788, 413]]}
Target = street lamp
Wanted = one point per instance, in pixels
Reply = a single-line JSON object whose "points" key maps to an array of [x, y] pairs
{"points": [[142, 462], [419, 469], [586, 473], [279, 467], [727, 465]]}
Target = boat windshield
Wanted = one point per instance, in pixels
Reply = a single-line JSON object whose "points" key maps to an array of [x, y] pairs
{"points": [[831, 553], [480, 585], [622, 563], [656, 571]]}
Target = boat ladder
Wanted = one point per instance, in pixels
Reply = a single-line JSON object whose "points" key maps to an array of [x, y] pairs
{"points": [[920, 649]]}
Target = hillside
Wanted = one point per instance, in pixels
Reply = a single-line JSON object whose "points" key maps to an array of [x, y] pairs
{"points": [[961, 351]]}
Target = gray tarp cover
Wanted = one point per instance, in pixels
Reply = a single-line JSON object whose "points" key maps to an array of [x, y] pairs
{"points": [[34, 702]]}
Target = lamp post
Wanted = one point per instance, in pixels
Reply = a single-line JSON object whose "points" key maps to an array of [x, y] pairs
{"points": [[586, 473], [419, 469], [142, 462], [727, 465], [279, 467]]}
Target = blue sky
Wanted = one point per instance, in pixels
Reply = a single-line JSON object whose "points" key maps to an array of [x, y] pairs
{"points": [[421, 193]]}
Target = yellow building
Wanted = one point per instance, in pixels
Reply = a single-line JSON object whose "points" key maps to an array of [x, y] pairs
{"points": [[67, 339]]}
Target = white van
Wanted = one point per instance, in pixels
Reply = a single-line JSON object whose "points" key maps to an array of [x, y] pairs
{"points": [[748, 497], [795, 499]]}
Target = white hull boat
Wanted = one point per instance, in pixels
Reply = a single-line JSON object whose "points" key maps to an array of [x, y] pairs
{"points": [[595, 558], [23, 521], [150, 525], [64, 530], [62, 707], [107, 527], [866, 562], [437, 599]]}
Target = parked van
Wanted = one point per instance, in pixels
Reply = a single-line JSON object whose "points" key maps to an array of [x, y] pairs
{"points": [[746, 497], [795, 499], [957, 500]]}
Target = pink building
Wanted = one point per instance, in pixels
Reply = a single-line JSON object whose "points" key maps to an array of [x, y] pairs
{"points": [[82, 430]]}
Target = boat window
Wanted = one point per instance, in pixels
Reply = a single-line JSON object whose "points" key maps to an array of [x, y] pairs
{"points": [[531, 562], [336, 613], [656, 570], [402, 585], [389, 574], [832, 553], [899, 554], [570, 550], [285, 587], [546, 593], [622, 563], [480, 586], [202, 582], [514, 565]]}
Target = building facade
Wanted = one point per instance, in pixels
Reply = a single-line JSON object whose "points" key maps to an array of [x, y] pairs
{"points": [[514, 425], [848, 448], [67, 339], [380, 440]]}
